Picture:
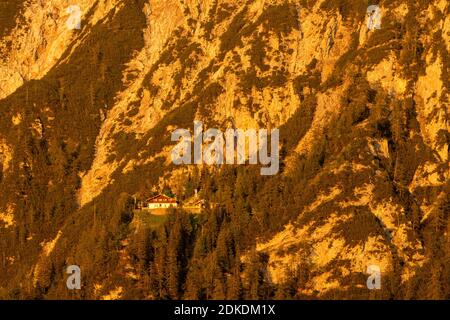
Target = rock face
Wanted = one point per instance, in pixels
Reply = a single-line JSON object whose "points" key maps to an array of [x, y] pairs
{"points": [[86, 122]]}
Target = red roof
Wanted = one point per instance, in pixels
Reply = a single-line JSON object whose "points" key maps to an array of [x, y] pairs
{"points": [[161, 199]]}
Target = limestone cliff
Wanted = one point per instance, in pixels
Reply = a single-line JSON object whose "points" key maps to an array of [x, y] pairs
{"points": [[86, 119]]}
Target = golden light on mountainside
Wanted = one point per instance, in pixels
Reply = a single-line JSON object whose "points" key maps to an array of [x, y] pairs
{"points": [[90, 98]]}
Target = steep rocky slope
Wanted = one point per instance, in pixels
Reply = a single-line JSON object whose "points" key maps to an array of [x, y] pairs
{"points": [[86, 119]]}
